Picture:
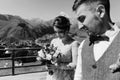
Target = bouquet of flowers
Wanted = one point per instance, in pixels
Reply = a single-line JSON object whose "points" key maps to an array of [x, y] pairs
{"points": [[49, 55]]}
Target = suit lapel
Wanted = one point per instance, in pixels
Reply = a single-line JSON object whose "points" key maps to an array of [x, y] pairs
{"points": [[113, 48]]}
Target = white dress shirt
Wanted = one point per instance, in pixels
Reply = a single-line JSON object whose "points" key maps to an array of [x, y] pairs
{"points": [[99, 49]]}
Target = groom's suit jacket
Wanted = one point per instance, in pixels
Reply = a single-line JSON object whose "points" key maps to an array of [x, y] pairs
{"points": [[99, 70]]}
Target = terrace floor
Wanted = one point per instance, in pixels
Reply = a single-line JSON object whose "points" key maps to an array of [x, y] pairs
{"points": [[30, 76]]}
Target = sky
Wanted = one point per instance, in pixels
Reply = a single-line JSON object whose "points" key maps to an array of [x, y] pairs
{"points": [[47, 9]]}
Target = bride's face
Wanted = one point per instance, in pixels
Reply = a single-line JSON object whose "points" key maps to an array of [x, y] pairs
{"points": [[60, 33]]}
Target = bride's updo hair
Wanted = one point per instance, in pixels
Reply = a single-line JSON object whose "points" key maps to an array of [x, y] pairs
{"points": [[62, 22]]}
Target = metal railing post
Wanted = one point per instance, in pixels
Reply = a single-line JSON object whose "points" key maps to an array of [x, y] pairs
{"points": [[13, 63]]}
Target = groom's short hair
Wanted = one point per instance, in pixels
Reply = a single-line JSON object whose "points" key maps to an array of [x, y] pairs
{"points": [[106, 4]]}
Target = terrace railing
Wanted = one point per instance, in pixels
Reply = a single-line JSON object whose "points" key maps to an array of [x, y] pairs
{"points": [[40, 68]]}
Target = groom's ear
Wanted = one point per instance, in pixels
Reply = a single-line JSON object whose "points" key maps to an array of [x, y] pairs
{"points": [[100, 10]]}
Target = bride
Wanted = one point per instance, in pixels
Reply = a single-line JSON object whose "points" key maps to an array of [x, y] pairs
{"points": [[68, 48]]}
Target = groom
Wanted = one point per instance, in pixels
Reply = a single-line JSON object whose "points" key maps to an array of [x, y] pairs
{"points": [[101, 49]]}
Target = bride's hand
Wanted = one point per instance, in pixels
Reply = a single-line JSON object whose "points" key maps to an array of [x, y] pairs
{"points": [[71, 65]]}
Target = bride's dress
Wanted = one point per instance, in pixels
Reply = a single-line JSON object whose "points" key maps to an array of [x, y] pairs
{"points": [[60, 74]]}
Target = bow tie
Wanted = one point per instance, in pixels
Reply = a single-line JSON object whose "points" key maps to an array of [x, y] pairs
{"points": [[94, 38]]}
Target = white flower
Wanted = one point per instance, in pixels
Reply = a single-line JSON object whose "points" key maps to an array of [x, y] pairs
{"points": [[39, 58], [48, 57], [41, 54]]}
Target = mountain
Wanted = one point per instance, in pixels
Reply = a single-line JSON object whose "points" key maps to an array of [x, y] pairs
{"points": [[15, 28], [42, 27]]}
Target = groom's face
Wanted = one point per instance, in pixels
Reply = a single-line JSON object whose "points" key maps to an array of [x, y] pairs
{"points": [[88, 17]]}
